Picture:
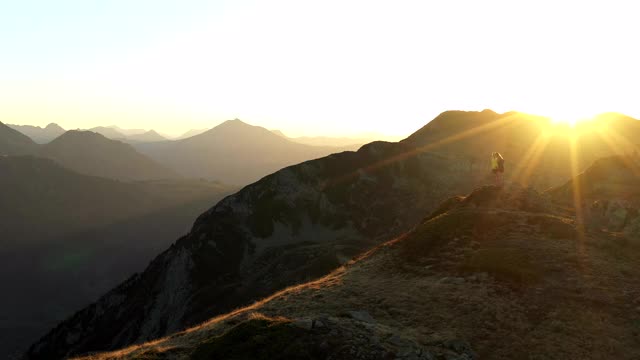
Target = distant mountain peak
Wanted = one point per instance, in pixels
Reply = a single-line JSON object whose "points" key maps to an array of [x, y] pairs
{"points": [[80, 134], [54, 126], [91, 153], [235, 122], [279, 133], [235, 127]]}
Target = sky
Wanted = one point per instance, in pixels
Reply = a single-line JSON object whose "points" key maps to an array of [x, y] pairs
{"points": [[311, 67]]}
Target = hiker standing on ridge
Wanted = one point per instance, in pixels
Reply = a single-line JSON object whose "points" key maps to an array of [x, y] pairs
{"points": [[497, 167]]}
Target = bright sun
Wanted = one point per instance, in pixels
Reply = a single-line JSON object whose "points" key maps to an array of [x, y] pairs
{"points": [[569, 118]]}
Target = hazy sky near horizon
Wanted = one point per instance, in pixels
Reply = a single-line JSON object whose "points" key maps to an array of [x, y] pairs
{"points": [[311, 67]]}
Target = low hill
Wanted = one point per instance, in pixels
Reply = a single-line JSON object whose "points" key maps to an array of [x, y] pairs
{"points": [[71, 237], [38, 134], [12, 142], [499, 274], [232, 152], [93, 154]]}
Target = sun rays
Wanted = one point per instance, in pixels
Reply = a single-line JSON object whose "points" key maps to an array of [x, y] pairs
{"points": [[555, 150], [524, 169]]}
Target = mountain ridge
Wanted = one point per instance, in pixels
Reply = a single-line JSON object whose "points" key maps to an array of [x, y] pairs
{"points": [[491, 275], [13, 142], [323, 211], [38, 134], [91, 153], [233, 152], [91, 234]]}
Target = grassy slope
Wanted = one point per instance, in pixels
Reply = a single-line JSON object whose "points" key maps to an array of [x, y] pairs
{"points": [[500, 270]]}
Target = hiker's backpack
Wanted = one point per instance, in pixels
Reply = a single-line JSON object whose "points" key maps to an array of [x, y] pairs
{"points": [[501, 164]]}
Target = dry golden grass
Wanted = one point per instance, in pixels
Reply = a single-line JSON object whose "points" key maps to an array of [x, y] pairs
{"points": [[523, 289]]}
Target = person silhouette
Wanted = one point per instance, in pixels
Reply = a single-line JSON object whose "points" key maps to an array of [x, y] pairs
{"points": [[497, 168]]}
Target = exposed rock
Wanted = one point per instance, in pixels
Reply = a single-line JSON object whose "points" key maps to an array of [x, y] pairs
{"points": [[362, 315]]}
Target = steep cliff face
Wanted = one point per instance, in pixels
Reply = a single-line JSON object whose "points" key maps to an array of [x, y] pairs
{"points": [[292, 226]]}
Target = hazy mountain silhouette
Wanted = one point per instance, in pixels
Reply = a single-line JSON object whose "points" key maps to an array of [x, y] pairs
{"points": [[190, 133], [114, 132], [108, 132], [71, 237], [38, 134], [232, 152], [148, 136], [279, 133], [349, 143], [12, 142], [492, 275], [127, 132], [305, 220], [93, 154]]}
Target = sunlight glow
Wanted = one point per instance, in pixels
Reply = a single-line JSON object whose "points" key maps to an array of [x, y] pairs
{"points": [[531, 160], [569, 117], [311, 68]]}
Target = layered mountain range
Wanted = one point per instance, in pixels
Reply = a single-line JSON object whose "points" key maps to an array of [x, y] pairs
{"points": [[305, 220], [232, 152], [88, 153], [38, 134]]}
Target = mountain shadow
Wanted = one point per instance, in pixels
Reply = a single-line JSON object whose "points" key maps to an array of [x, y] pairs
{"points": [[68, 238]]}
